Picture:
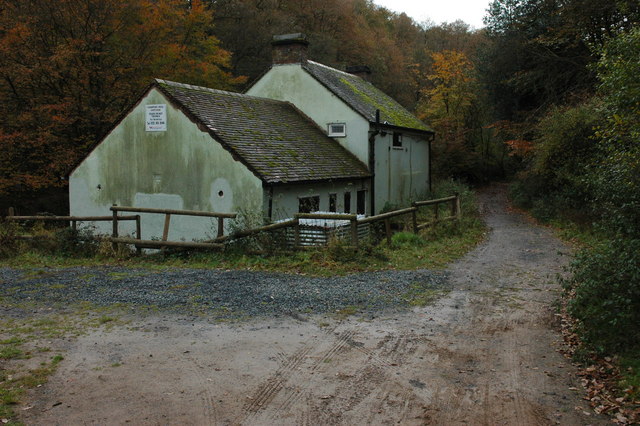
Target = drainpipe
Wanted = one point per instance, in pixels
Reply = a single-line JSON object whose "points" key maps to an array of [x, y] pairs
{"points": [[430, 180], [372, 161], [271, 203]]}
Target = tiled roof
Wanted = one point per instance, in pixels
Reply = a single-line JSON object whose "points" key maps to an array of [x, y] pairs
{"points": [[364, 97], [273, 138]]}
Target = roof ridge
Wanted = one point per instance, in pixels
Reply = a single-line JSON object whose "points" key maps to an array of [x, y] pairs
{"points": [[334, 69], [214, 91]]}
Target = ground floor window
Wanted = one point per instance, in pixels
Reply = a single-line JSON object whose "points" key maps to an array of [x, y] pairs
{"points": [[333, 199], [347, 202], [361, 205], [397, 140], [309, 204]]}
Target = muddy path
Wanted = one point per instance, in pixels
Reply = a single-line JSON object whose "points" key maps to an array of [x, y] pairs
{"points": [[483, 354]]}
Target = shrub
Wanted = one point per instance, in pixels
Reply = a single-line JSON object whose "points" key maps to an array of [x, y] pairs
{"points": [[555, 185], [606, 282], [9, 243], [407, 239], [448, 187]]}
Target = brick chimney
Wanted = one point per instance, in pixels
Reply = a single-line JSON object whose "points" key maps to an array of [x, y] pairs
{"points": [[290, 48], [362, 71]]}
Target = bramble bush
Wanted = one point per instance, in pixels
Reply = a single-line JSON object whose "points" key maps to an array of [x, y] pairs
{"points": [[606, 281], [606, 277]]}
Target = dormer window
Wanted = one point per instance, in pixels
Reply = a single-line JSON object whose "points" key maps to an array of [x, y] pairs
{"points": [[337, 130]]}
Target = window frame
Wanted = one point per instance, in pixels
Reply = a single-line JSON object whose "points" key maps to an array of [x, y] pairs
{"points": [[333, 134]]}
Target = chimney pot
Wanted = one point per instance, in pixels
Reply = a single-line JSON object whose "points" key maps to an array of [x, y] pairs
{"points": [[290, 48]]}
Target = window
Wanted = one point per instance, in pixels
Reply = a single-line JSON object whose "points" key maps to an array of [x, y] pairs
{"points": [[308, 204], [347, 202], [337, 130], [333, 198], [361, 196], [397, 140]]}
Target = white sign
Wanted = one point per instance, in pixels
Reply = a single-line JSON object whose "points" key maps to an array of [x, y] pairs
{"points": [[156, 118]]}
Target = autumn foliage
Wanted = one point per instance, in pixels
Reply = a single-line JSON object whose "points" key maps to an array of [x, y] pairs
{"points": [[69, 68]]}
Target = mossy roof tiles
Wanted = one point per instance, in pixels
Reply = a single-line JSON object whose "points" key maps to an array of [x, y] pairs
{"points": [[273, 138], [364, 97]]}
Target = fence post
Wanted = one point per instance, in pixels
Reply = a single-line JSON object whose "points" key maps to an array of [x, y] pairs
{"points": [[387, 230], [458, 209], [414, 217], [453, 206], [11, 212], [165, 231], [296, 233], [115, 228], [220, 227], [74, 225], [138, 233], [354, 232]]}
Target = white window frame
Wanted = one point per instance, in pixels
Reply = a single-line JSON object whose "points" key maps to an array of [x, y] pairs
{"points": [[337, 134]]}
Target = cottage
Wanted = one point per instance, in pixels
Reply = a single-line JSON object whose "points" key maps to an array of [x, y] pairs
{"points": [[194, 148], [305, 137], [381, 133]]}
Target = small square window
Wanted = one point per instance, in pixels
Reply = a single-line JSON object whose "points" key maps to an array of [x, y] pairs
{"points": [[397, 140], [337, 130]]}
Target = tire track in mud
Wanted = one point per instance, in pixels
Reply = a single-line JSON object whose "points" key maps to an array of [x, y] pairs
{"points": [[208, 408], [276, 397], [268, 390], [263, 403]]}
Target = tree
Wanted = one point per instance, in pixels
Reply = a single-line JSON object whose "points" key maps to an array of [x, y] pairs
{"points": [[447, 105], [539, 51], [616, 178], [69, 68]]}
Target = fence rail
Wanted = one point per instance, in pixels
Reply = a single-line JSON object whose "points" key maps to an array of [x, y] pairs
{"points": [[72, 219], [140, 243]]}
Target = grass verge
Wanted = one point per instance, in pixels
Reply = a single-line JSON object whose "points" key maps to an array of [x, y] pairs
{"points": [[26, 356]]}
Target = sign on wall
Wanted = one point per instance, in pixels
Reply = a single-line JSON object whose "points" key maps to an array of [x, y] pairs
{"points": [[156, 118]]}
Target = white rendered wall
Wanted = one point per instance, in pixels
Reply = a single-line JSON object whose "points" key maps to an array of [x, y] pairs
{"points": [[293, 84], [180, 168]]}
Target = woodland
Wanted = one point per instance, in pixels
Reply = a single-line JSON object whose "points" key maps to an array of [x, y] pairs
{"points": [[547, 95]]}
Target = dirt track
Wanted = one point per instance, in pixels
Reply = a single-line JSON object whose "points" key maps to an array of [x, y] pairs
{"points": [[483, 354]]}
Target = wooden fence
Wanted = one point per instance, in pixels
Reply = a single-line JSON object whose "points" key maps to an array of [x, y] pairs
{"points": [[72, 220], [355, 224], [140, 243], [301, 237]]}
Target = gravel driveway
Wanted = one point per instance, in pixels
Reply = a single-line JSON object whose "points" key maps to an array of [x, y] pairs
{"points": [[219, 294]]}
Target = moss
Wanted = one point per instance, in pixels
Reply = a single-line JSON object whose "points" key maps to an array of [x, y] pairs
{"points": [[390, 110]]}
